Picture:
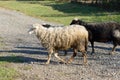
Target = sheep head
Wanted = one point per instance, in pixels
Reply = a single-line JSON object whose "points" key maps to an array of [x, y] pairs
{"points": [[46, 25], [77, 21], [34, 28]]}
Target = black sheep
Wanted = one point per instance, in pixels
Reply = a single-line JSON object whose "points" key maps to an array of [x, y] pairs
{"points": [[101, 32]]}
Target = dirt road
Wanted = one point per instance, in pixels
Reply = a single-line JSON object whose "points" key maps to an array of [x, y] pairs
{"points": [[31, 56]]}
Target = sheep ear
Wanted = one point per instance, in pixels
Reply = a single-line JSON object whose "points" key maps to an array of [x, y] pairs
{"points": [[75, 18], [36, 26], [30, 32]]}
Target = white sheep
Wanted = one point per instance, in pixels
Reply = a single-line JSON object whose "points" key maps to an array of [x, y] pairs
{"points": [[62, 38]]}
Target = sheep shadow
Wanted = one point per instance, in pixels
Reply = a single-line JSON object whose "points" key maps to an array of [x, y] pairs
{"points": [[24, 59], [20, 59], [105, 48], [38, 50], [27, 50]]}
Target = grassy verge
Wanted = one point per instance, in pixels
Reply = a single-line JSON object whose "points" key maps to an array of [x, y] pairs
{"points": [[7, 73], [7, 69], [61, 12]]}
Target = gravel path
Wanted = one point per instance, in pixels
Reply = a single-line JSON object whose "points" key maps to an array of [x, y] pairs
{"points": [[13, 30]]}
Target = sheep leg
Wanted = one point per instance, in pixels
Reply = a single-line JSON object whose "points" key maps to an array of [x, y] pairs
{"points": [[84, 57], [113, 49], [72, 57], [49, 56], [56, 55], [92, 44], [65, 52]]}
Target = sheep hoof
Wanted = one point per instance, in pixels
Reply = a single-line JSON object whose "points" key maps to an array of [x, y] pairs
{"points": [[85, 64], [69, 61], [111, 53], [62, 62], [92, 53], [47, 63], [65, 55]]}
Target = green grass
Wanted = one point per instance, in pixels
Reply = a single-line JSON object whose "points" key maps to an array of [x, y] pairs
{"points": [[6, 72], [61, 12]]}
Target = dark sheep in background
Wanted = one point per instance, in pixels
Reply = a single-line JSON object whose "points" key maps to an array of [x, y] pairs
{"points": [[101, 32]]}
